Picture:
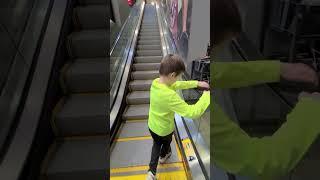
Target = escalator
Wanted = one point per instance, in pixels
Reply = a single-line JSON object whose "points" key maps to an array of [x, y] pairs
{"points": [[79, 118], [131, 150]]}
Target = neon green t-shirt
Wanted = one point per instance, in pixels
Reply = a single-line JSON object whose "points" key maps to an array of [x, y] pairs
{"points": [[165, 101]]}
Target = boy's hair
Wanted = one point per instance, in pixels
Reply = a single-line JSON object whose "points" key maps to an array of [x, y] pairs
{"points": [[171, 63], [225, 18]]}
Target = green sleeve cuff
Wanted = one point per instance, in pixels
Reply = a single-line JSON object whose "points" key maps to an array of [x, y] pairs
{"points": [[194, 84]]}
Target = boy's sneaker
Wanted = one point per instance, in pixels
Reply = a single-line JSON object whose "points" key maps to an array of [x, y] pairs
{"points": [[164, 159], [151, 176]]}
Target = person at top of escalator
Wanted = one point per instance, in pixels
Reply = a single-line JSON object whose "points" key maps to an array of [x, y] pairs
{"points": [[233, 149], [164, 102]]}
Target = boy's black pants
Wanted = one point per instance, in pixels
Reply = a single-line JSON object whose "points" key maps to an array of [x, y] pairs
{"points": [[160, 148]]}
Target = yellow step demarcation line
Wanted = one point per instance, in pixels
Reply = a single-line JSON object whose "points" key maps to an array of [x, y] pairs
{"points": [[145, 168], [178, 174], [135, 121], [133, 138], [175, 175]]}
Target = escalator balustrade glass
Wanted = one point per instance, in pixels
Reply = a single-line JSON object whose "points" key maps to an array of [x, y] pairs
{"points": [[120, 49]]}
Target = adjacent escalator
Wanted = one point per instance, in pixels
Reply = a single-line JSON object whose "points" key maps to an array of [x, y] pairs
{"points": [[80, 118], [131, 151]]}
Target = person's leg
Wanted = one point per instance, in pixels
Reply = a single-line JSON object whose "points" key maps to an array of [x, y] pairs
{"points": [[155, 152], [166, 148]]}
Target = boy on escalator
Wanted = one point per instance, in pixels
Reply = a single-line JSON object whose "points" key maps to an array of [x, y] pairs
{"points": [[164, 102]]}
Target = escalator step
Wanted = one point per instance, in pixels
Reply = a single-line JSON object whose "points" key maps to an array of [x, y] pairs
{"points": [[148, 47], [150, 23], [149, 34], [149, 37], [87, 75], [120, 157], [154, 26], [155, 29], [91, 2], [134, 129], [148, 59], [145, 75], [90, 17], [88, 44], [140, 85], [150, 26], [82, 114], [146, 66], [149, 42], [149, 53], [136, 112], [138, 97], [80, 159], [150, 31]]}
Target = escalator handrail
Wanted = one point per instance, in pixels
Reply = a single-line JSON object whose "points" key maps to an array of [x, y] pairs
{"points": [[124, 58], [119, 35], [16, 157], [115, 109], [245, 57], [16, 84]]}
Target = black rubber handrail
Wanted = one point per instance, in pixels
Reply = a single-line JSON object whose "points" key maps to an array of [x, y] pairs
{"points": [[14, 160], [252, 53], [14, 93]]}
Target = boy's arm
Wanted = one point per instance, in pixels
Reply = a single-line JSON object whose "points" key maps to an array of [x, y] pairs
{"points": [[184, 85], [241, 74], [179, 106], [268, 157]]}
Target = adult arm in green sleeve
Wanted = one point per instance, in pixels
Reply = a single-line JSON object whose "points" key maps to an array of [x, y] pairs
{"points": [[268, 157], [242, 74], [180, 107], [184, 85]]}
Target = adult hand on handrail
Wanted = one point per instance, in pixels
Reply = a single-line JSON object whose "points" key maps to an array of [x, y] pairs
{"points": [[202, 85], [299, 72]]}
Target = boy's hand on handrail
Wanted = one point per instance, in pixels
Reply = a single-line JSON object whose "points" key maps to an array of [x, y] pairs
{"points": [[202, 85], [299, 72]]}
